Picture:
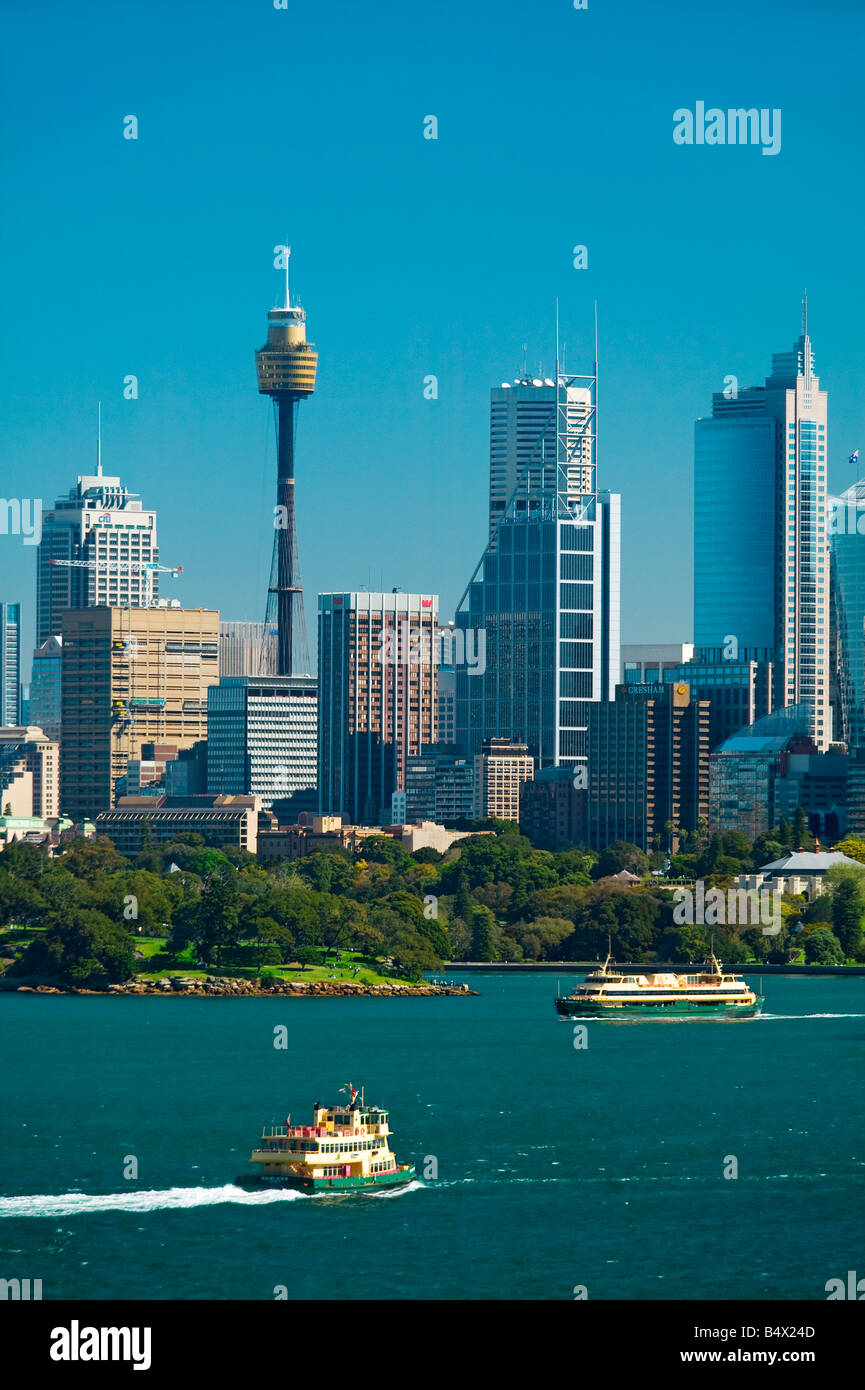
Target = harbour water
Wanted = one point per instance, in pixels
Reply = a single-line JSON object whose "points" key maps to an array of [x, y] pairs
{"points": [[543, 1167]]}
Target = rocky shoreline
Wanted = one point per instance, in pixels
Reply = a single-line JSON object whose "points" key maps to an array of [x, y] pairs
{"points": [[181, 986]]}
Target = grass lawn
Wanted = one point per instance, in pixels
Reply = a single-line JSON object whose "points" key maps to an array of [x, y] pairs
{"points": [[342, 967]]}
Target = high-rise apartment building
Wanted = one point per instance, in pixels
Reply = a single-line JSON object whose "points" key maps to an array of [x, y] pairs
{"points": [[45, 687], [648, 766], [545, 593], [500, 769], [130, 676], [261, 739], [377, 664], [10, 664], [97, 544], [761, 560]]}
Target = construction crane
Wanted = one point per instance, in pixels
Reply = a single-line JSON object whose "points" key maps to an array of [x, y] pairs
{"points": [[148, 568]]}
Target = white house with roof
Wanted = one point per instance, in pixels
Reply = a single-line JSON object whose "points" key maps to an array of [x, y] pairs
{"points": [[798, 872]]}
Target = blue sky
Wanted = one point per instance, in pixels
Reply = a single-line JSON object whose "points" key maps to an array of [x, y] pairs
{"points": [[411, 257]]}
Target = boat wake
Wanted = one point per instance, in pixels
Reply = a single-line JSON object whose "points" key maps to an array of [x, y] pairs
{"points": [[787, 1016], [387, 1193], [170, 1198]]}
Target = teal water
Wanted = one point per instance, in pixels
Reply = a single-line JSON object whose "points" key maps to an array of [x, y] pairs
{"points": [[556, 1166]]}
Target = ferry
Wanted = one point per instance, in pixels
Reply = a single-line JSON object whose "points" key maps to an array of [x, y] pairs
{"points": [[608, 993], [345, 1147]]}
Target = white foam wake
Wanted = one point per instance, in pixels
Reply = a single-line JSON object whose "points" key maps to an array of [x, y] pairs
{"points": [[76, 1203], [788, 1016], [414, 1186]]}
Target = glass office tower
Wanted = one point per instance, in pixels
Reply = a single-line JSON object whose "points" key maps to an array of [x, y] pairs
{"points": [[735, 526], [10, 664], [546, 595], [847, 548], [761, 560]]}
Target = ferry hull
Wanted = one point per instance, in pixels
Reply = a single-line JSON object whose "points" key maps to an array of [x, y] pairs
{"points": [[403, 1174], [656, 1008]]}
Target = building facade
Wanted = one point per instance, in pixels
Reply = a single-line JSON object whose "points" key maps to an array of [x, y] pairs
{"points": [[29, 773], [738, 691], [846, 523], [545, 593], [553, 809], [377, 662], [97, 543], [499, 771], [10, 664], [45, 687], [222, 820], [645, 662], [744, 769], [261, 738], [439, 786], [761, 555], [247, 649], [129, 677], [526, 417], [648, 774]]}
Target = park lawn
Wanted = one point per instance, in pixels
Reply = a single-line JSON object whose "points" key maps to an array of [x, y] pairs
{"points": [[340, 970]]}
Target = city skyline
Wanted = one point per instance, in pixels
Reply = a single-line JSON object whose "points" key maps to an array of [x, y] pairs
{"points": [[692, 281]]}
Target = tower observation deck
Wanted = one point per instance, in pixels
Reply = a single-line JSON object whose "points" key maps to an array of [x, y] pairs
{"points": [[286, 367]]}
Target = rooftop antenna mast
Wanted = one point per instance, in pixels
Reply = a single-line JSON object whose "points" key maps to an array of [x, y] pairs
{"points": [[805, 315], [287, 258], [99, 440]]}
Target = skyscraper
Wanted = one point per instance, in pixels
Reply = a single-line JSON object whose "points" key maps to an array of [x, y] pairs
{"points": [[45, 687], [524, 419], [130, 676], [10, 664], [103, 529], [545, 593], [286, 367], [377, 661], [648, 775], [847, 555], [261, 740], [761, 566]]}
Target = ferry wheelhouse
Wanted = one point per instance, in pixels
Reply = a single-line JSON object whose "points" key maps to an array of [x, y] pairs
{"points": [[346, 1146], [609, 992]]}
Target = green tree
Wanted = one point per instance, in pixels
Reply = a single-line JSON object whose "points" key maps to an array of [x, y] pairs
{"points": [[822, 947], [621, 855], [801, 837], [848, 908], [483, 935], [86, 949]]}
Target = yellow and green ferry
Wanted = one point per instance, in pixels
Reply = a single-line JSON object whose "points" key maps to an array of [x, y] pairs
{"points": [[345, 1147], [609, 993]]}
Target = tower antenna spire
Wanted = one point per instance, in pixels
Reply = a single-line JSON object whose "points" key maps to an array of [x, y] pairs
{"points": [[287, 259], [805, 315], [99, 440]]}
